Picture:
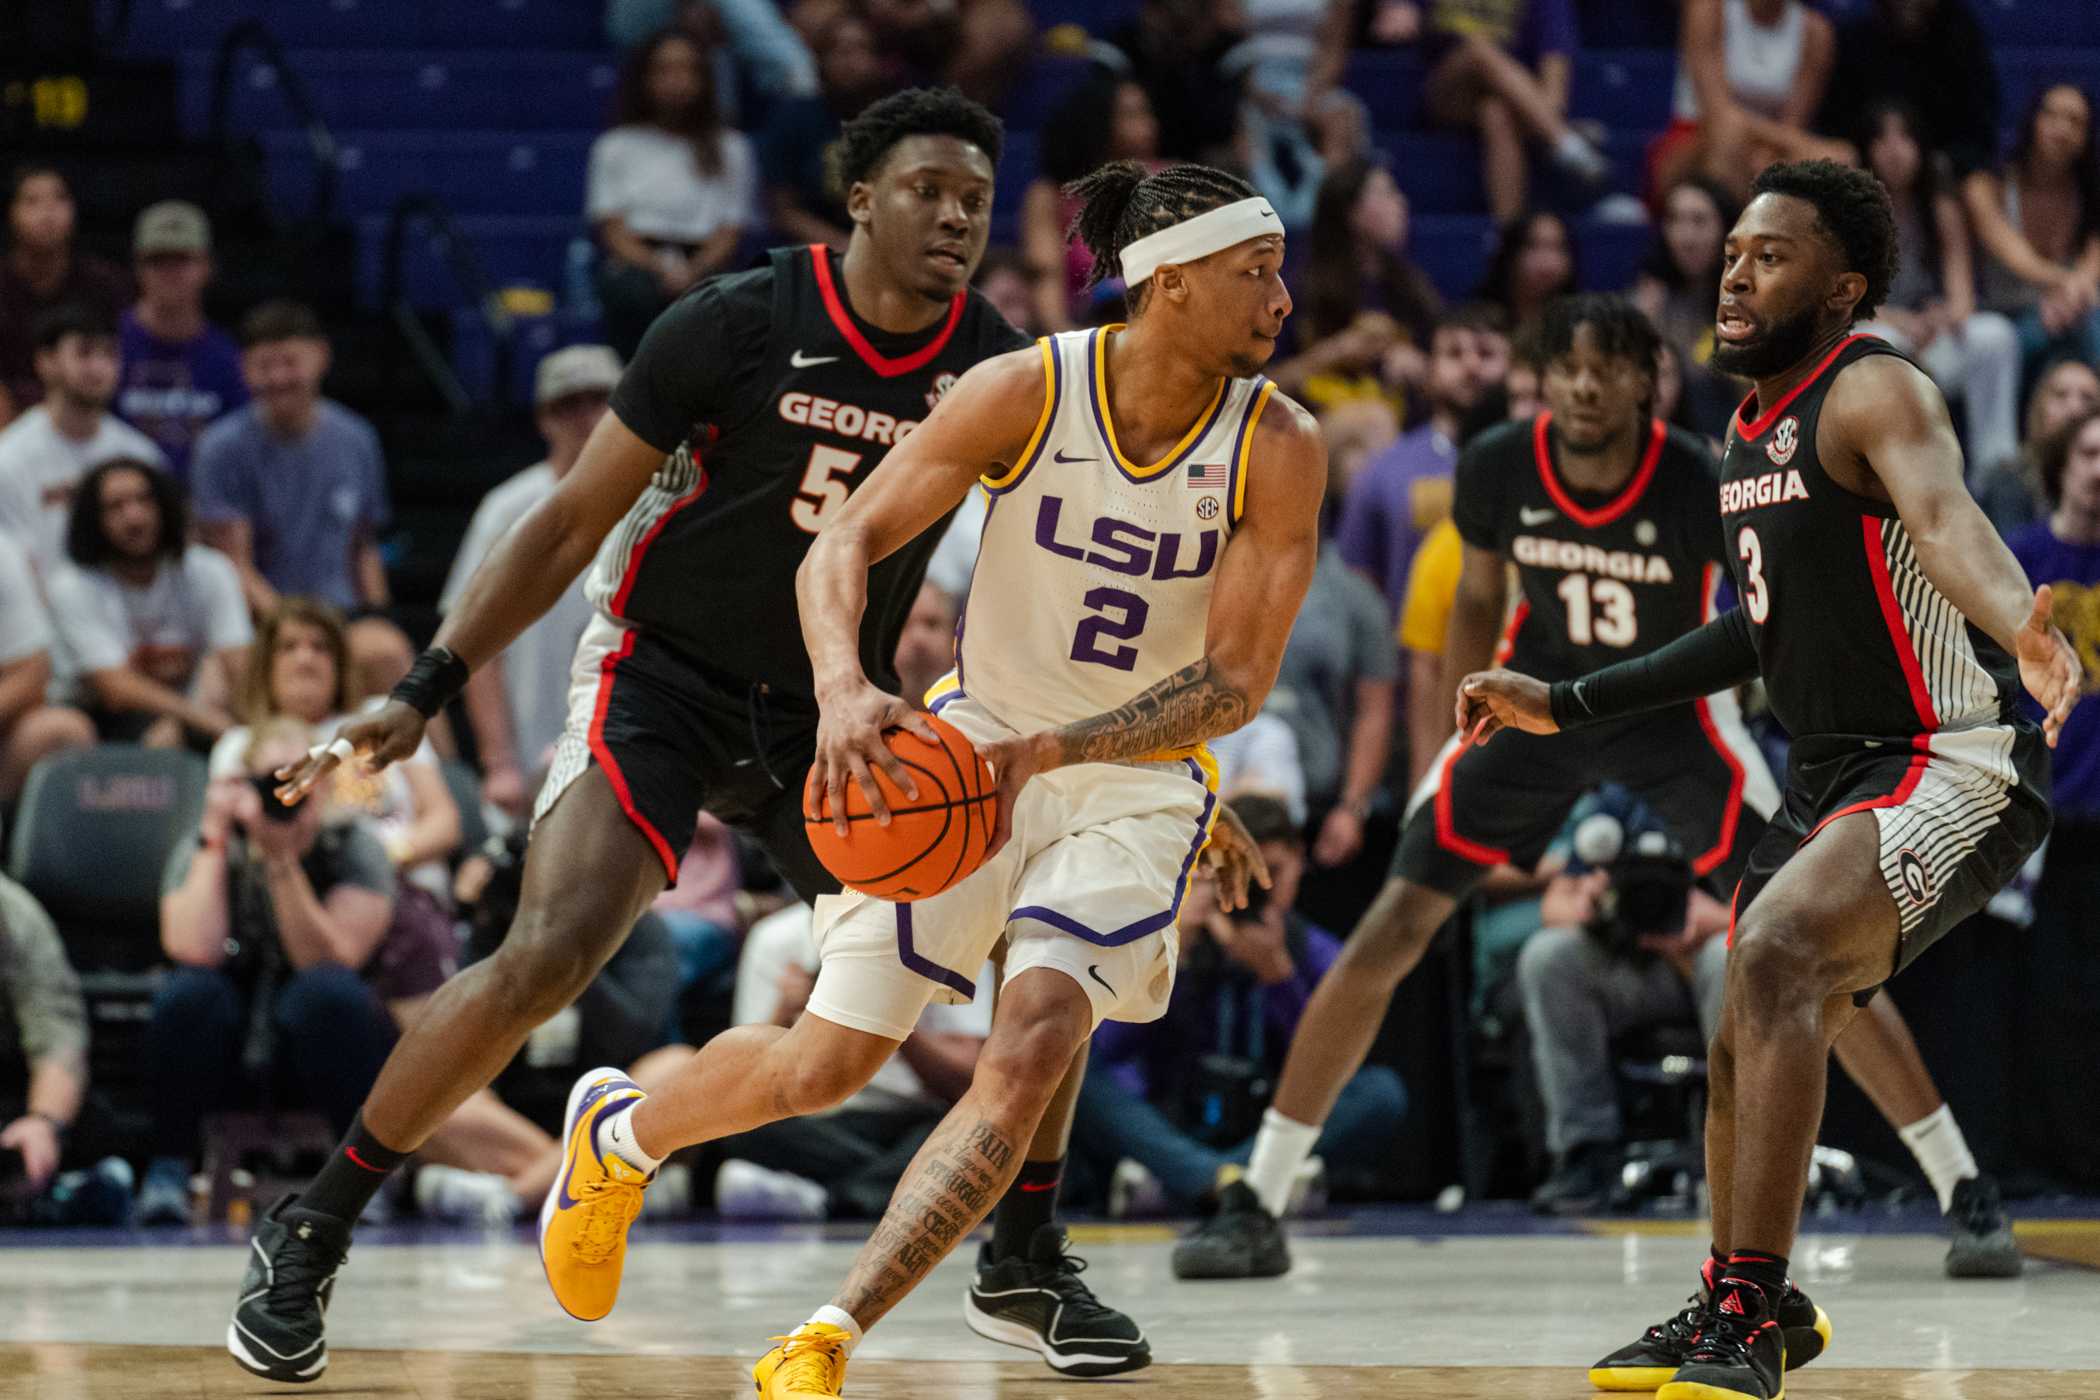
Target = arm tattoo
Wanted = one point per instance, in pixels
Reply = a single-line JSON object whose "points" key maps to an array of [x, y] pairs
{"points": [[1193, 704]]}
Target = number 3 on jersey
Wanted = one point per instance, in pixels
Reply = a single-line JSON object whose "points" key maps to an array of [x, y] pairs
{"points": [[822, 491], [1752, 554]]}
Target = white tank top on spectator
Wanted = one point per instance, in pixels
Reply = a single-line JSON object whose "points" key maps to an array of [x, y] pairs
{"points": [[649, 179], [1760, 62]]}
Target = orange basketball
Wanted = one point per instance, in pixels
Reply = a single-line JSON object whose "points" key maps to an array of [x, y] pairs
{"points": [[933, 840]]}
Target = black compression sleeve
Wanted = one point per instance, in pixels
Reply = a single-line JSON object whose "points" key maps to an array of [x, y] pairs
{"points": [[1703, 661]]}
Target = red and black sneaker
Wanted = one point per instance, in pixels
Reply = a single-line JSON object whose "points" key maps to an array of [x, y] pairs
{"points": [[1650, 1360], [1739, 1352]]}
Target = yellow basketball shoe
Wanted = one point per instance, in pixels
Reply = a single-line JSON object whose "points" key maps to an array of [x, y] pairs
{"points": [[809, 1364], [583, 1225]]}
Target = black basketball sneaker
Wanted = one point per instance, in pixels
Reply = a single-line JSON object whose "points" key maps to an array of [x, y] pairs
{"points": [[1037, 1301], [1648, 1362], [1241, 1241], [1981, 1244], [278, 1328], [1740, 1350]]}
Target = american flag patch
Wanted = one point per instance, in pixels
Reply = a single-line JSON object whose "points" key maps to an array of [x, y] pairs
{"points": [[1206, 476]]}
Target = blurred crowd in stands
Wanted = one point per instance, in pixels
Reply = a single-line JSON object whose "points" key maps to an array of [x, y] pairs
{"points": [[191, 559]]}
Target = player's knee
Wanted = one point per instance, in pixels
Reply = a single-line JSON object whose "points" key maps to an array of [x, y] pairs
{"points": [[533, 975], [820, 1082], [1030, 1049], [1390, 936], [1776, 966]]}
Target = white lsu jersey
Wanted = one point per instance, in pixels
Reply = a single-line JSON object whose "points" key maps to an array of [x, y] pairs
{"points": [[1093, 581]]}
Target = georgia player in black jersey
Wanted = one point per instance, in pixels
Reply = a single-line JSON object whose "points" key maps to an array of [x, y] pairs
{"points": [[754, 407], [1893, 630]]}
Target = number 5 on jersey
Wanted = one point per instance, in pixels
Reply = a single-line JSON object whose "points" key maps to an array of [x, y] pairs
{"points": [[823, 488]]}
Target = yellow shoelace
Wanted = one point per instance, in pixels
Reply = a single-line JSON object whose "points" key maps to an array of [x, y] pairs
{"points": [[609, 1207], [809, 1362]]}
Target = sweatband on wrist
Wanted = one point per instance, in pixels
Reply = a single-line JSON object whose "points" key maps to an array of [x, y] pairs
{"points": [[433, 682], [1207, 233]]}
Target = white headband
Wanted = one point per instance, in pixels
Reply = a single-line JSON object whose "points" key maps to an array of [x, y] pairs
{"points": [[1199, 237]]}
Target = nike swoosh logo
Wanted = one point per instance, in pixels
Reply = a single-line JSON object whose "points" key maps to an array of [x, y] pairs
{"points": [[1535, 517], [1059, 456], [802, 361], [1093, 970], [595, 1093]]}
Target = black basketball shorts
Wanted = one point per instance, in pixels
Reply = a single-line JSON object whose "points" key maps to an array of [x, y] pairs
{"points": [[1959, 813], [1503, 802], [674, 738]]}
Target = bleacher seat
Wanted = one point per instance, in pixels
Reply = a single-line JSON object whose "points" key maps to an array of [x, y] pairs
{"points": [[1390, 83], [1626, 89], [2023, 72], [161, 26], [1453, 249], [474, 172], [448, 90]]}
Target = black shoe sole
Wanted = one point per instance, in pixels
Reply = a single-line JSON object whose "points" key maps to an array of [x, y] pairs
{"points": [[1080, 1365], [280, 1373]]}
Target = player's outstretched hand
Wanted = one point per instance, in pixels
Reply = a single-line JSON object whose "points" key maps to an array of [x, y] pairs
{"points": [[1014, 761], [1234, 859], [1489, 701], [389, 734], [2049, 668], [850, 726]]}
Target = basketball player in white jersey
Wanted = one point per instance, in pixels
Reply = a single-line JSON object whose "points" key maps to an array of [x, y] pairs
{"points": [[1154, 526]]}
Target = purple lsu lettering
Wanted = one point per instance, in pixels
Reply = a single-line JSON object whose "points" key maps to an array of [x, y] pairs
{"points": [[846, 419], [1123, 548]]}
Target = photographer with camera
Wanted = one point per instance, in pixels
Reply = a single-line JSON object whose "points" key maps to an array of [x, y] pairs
{"points": [[1171, 1106], [1627, 940], [277, 921]]}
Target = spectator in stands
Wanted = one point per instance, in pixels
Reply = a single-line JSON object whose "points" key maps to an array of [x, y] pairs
{"points": [[1009, 282], [799, 132], [1585, 978], [29, 728], [2038, 219], [43, 1044], [1175, 49], [2010, 490], [671, 190], [979, 46], [300, 670], [1534, 261], [270, 914], [1365, 309], [177, 371], [1503, 70], [1750, 76], [1930, 309], [42, 272], [1930, 55], [1680, 284], [1403, 491], [518, 702], [759, 39], [47, 450], [1262, 756], [152, 630], [1107, 117], [1295, 117], [1171, 1104]]}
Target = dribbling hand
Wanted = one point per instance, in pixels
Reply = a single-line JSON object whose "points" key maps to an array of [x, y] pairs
{"points": [[1234, 860], [1491, 701], [2049, 668], [391, 733], [850, 726]]}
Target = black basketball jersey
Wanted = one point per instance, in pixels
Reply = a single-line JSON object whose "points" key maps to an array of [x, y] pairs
{"points": [[1852, 638], [773, 401], [1601, 577]]}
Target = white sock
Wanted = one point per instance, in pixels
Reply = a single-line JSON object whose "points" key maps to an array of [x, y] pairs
{"points": [[1937, 1143], [1280, 1148], [841, 1319], [616, 1138]]}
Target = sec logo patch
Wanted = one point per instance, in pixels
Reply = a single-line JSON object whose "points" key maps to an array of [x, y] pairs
{"points": [[1785, 438], [1207, 508]]}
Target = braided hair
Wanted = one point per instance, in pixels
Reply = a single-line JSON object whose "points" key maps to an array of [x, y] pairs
{"points": [[1121, 203]]}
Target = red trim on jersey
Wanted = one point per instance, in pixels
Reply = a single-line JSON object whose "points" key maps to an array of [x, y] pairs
{"points": [[1771, 415], [1732, 899], [1892, 617], [1541, 454], [602, 751], [1506, 644], [1922, 744], [820, 262], [1720, 849], [1446, 834], [634, 560]]}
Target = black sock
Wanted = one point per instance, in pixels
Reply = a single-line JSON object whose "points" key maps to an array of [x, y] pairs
{"points": [[1766, 1270], [1028, 1205], [354, 1174]]}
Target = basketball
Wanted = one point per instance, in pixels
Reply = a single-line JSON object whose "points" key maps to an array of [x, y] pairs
{"points": [[932, 840]]}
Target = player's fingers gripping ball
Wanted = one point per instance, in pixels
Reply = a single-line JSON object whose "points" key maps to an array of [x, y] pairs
{"points": [[933, 840]]}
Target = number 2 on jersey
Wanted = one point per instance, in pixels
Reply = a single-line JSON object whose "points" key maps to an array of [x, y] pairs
{"points": [[822, 492], [1128, 619], [1755, 598], [1599, 610]]}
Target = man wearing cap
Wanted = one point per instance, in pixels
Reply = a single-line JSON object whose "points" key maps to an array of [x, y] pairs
{"points": [[179, 371], [518, 702]]}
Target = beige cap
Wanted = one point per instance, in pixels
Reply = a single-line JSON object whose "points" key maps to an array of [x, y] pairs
{"points": [[171, 226], [579, 369]]}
